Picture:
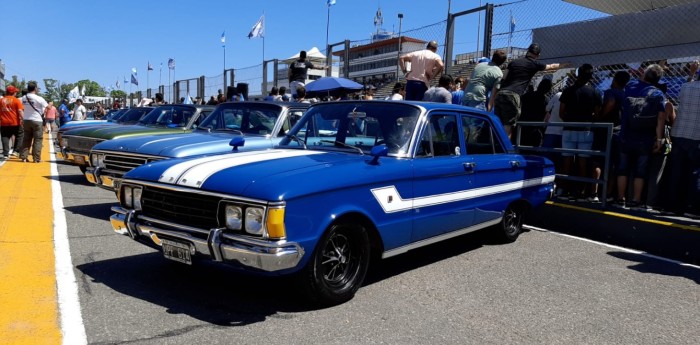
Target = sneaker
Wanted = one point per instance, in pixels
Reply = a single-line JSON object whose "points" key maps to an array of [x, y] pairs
{"points": [[620, 203], [25, 160], [593, 199], [633, 205], [4, 158]]}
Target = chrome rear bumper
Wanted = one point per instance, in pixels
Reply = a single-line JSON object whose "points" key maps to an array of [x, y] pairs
{"points": [[260, 254]]}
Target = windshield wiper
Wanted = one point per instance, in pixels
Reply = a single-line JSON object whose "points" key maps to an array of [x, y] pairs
{"points": [[297, 139], [362, 153]]}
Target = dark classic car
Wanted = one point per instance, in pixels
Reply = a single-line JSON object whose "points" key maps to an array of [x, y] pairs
{"points": [[262, 123], [352, 180], [165, 119]]}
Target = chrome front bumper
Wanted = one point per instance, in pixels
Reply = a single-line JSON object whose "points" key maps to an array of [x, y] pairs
{"points": [[73, 157], [219, 246]]}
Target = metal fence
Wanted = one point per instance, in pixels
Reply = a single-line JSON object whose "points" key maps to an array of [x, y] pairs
{"points": [[605, 34]]}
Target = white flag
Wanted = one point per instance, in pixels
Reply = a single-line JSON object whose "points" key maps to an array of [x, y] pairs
{"points": [[82, 90], [73, 94], [258, 29]]}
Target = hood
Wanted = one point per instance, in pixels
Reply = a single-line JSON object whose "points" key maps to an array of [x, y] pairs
{"points": [[278, 174], [112, 132], [84, 124], [178, 145]]}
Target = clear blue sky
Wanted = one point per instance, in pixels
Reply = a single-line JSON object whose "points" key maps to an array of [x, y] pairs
{"points": [[103, 40]]}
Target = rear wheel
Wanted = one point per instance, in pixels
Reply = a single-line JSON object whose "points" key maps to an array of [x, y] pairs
{"points": [[339, 264], [512, 223]]}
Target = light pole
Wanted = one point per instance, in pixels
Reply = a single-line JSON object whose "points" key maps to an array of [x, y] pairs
{"points": [[398, 53]]}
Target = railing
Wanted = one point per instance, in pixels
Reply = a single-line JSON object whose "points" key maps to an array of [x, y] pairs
{"points": [[603, 181]]}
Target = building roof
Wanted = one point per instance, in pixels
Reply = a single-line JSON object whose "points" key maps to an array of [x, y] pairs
{"points": [[313, 55], [626, 6], [388, 42]]}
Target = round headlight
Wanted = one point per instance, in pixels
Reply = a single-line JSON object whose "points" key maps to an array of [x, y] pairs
{"points": [[234, 217], [253, 220], [64, 142]]}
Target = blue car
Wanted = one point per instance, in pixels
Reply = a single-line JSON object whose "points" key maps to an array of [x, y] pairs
{"points": [[352, 180], [262, 124]]}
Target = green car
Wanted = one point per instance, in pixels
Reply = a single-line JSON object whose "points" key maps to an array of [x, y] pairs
{"points": [[165, 119]]}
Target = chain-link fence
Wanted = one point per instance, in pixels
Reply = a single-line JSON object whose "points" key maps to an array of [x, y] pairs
{"points": [[605, 34]]}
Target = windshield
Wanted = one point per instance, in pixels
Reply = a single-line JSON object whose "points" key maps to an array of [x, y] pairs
{"points": [[356, 126], [248, 118], [133, 115], [169, 116]]}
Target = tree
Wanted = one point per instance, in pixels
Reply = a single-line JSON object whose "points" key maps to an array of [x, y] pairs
{"points": [[92, 88], [117, 94], [52, 90]]}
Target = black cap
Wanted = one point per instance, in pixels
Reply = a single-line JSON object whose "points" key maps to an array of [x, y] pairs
{"points": [[534, 49], [432, 44]]}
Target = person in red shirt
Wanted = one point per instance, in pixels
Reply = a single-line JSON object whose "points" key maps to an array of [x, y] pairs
{"points": [[11, 114]]}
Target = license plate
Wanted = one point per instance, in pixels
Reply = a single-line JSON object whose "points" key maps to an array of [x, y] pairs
{"points": [[177, 251], [79, 159]]}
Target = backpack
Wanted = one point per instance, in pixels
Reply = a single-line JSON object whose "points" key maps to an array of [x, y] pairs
{"points": [[642, 115]]}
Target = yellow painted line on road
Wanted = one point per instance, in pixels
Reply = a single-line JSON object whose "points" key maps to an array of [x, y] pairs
{"points": [[28, 297], [626, 216]]}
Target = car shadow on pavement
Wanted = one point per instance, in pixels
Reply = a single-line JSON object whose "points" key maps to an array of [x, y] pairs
{"points": [[387, 268], [76, 179], [99, 211], [211, 293], [646, 264]]}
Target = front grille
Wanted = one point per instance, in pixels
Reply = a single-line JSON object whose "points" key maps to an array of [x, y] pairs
{"points": [[80, 144], [119, 165], [183, 208]]}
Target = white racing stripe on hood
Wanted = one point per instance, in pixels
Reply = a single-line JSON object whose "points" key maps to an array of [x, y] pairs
{"points": [[193, 173]]}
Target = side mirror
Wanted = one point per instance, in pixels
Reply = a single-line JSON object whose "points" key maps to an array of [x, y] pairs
{"points": [[378, 151], [236, 142]]}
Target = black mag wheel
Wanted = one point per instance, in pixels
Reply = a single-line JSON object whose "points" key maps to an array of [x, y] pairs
{"points": [[512, 223], [339, 265]]}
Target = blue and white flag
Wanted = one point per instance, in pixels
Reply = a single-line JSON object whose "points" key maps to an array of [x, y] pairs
{"points": [[171, 63], [126, 81], [134, 80], [117, 83], [223, 39], [512, 24], [258, 29], [150, 67], [330, 2]]}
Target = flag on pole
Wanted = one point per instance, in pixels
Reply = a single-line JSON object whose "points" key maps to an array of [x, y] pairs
{"points": [[117, 84], [258, 29], [134, 80], [73, 94], [161, 66], [150, 67], [512, 24], [223, 39], [171, 63], [330, 3], [126, 81], [133, 70], [82, 90]]}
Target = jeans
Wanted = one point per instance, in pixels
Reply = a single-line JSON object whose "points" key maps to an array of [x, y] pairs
{"points": [[685, 181], [415, 90], [34, 136]]}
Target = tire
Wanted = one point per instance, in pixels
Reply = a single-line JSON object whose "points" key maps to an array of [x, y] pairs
{"points": [[511, 224], [338, 266]]}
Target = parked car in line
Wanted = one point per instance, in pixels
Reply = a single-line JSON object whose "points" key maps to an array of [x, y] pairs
{"points": [[262, 123], [122, 117], [352, 180], [165, 119]]}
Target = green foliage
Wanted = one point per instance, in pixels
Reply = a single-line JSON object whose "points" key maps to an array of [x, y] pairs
{"points": [[117, 94], [92, 88], [52, 90]]}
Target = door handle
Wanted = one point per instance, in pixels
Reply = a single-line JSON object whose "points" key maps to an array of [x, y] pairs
{"points": [[514, 164], [469, 167]]}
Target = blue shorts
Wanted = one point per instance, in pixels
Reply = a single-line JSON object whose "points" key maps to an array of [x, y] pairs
{"points": [[634, 159], [576, 140]]}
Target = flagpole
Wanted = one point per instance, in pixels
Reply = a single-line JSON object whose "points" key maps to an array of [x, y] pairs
{"points": [[510, 36], [148, 76], [328, 20]]}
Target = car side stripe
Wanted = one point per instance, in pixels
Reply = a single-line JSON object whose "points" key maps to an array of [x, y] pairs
{"points": [[391, 201], [195, 175]]}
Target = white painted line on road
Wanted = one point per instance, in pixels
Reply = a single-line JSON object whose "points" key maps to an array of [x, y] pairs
{"points": [[72, 326], [633, 251]]}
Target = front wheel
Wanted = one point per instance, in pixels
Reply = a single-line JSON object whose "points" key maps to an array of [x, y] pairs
{"points": [[339, 264], [512, 223]]}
